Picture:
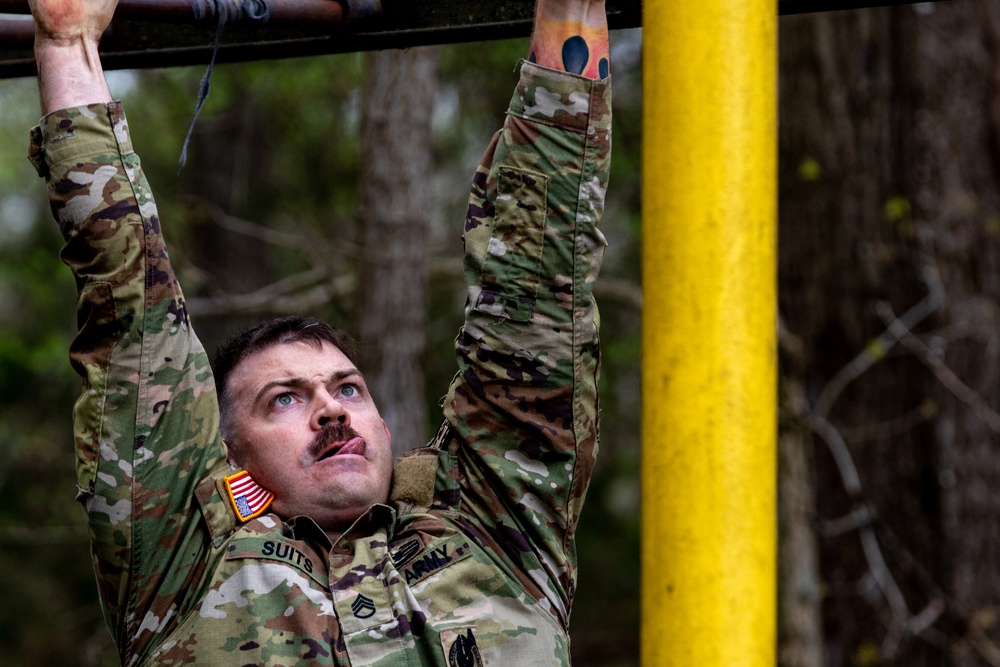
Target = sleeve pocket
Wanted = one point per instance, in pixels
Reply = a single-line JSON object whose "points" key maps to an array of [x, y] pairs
{"points": [[90, 353], [514, 254]]}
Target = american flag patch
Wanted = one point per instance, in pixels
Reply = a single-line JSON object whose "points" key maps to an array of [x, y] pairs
{"points": [[249, 499]]}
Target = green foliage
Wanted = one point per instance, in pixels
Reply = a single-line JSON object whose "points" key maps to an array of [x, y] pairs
{"points": [[897, 209], [810, 170], [875, 349]]}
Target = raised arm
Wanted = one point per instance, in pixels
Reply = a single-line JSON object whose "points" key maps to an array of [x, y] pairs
{"points": [[571, 35], [146, 423], [523, 407], [67, 33]]}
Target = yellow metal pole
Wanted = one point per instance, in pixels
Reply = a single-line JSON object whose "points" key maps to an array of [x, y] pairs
{"points": [[709, 368]]}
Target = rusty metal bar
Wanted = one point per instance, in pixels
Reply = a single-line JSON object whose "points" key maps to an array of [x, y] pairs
{"points": [[813, 6], [314, 27], [176, 10], [156, 33], [317, 13], [309, 16]]}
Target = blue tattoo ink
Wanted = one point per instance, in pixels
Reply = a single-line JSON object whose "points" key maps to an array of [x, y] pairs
{"points": [[532, 58], [575, 54], [602, 68]]}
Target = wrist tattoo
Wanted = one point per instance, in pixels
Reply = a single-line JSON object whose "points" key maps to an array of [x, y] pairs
{"points": [[571, 46], [575, 54]]}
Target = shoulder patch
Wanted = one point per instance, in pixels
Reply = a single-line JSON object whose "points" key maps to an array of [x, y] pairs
{"points": [[248, 498]]}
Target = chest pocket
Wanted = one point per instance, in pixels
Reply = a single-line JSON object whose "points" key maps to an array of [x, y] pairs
{"points": [[366, 603], [379, 607], [442, 602], [475, 614]]}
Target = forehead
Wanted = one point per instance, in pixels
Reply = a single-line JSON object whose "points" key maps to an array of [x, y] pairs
{"points": [[299, 359]]}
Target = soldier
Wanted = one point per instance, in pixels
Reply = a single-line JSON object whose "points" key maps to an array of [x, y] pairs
{"points": [[279, 533]]}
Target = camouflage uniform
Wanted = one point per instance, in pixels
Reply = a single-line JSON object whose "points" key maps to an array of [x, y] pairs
{"points": [[472, 561]]}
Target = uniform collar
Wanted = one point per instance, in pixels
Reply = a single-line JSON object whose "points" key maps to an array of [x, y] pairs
{"points": [[377, 517]]}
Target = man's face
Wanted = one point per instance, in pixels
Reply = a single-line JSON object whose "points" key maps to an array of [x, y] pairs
{"points": [[309, 432]]}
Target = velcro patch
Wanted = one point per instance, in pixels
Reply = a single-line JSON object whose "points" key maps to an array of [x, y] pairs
{"points": [[413, 480]]}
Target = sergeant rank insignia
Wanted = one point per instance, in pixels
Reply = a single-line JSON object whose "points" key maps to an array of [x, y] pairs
{"points": [[248, 498], [363, 606]]}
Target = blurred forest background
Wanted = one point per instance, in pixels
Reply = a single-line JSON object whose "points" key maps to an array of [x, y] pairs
{"points": [[336, 186]]}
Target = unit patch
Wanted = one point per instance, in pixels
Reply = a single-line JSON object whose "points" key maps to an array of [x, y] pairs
{"points": [[464, 651]]}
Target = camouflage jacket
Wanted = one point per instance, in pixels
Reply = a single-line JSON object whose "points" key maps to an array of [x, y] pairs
{"points": [[471, 561]]}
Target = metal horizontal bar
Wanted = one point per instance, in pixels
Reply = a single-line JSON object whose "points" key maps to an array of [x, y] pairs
{"points": [[163, 33], [814, 6], [285, 12]]}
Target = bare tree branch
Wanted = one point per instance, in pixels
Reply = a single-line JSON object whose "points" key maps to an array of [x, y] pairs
{"points": [[891, 427], [876, 349], [941, 371], [221, 218], [982, 644], [622, 292], [314, 288], [861, 517], [278, 296]]}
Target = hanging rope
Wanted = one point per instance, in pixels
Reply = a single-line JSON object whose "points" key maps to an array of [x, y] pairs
{"points": [[235, 11]]}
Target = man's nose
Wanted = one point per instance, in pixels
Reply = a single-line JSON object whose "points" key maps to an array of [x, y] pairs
{"points": [[328, 409]]}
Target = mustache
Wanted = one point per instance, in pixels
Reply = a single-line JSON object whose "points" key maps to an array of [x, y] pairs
{"points": [[330, 433]]}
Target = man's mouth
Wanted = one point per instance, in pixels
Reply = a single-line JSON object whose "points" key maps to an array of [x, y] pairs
{"points": [[353, 446], [335, 439]]}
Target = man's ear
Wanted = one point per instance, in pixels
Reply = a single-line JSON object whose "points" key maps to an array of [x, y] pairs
{"points": [[232, 455]]}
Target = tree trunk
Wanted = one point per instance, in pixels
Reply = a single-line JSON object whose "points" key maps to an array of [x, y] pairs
{"points": [[958, 203], [398, 103], [890, 152], [846, 159], [800, 633]]}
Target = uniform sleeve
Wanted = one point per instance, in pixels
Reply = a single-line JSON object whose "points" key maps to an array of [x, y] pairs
{"points": [[524, 402], [146, 423]]}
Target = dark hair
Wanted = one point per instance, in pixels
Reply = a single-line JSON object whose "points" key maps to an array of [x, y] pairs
{"points": [[275, 331]]}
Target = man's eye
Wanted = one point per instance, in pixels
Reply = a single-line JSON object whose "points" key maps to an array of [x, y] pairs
{"points": [[349, 391], [284, 400]]}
